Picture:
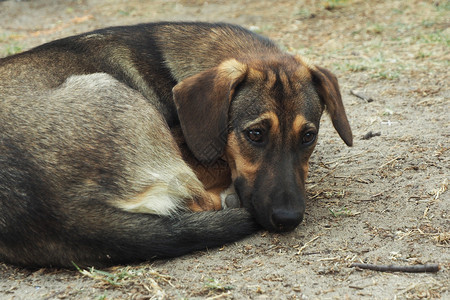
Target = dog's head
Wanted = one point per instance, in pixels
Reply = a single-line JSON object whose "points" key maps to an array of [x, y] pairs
{"points": [[263, 115]]}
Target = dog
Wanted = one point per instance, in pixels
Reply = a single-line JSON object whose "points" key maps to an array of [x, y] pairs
{"points": [[125, 143]]}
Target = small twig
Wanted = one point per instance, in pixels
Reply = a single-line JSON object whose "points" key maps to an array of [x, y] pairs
{"points": [[311, 253], [360, 96], [329, 258], [356, 287], [306, 245], [431, 268], [376, 195], [226, 294], [390, 161]]}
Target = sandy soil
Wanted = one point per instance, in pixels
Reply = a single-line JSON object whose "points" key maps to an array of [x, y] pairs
{"points": [[383, 201]]}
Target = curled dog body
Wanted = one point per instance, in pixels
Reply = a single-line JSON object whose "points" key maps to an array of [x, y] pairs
{"points": [[120, 144]]}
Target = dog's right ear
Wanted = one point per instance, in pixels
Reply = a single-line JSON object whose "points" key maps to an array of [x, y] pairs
{"points": [[202, 103]]}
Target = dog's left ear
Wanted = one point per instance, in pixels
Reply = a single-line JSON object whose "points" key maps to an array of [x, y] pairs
{"points": [[202, 103], [327, 87]]}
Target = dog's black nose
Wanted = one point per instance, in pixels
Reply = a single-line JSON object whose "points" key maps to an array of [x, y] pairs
{"points": [[285, 220]]}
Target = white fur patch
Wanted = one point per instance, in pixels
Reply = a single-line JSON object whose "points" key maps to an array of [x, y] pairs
{"points": [[156, 200], [165, 196]]}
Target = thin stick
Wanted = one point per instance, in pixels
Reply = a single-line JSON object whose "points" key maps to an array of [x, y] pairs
{"points": [[306, 245], [431, 268], [219, 296], [390, 161], [360, 96]]}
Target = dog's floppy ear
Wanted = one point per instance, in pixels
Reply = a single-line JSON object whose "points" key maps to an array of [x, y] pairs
{"points": [[202, 103], [327, 87]]}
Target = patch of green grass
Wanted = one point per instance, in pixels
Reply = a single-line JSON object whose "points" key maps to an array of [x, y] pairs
{"points": [[379, 65], [386, 74], [375, 29], [422, 54], [333, 194], [11, 46], [13, 49], [333, 4], [377, 58], [342, 212], [402, 27], [214, 285], [443, 5], [355, 32], [355, 67], [304, 14], [428, 23], [437, 37], [114, 279]]}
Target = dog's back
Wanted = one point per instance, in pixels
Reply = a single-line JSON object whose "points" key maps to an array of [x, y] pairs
{"points": [[151, 58]]}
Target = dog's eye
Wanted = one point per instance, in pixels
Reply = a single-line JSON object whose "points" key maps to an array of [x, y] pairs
{"points": [[255, 135], [309, 137]]}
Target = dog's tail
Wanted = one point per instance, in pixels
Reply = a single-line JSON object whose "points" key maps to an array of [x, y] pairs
{"points": [[112, 236], [131, 237]]}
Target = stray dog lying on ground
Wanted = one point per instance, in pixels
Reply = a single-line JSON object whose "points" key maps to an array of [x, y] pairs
{"points": [[123, 144]]}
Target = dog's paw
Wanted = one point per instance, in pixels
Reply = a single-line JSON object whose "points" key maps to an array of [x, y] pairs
{"points": [[229, 198], [232, 201]]}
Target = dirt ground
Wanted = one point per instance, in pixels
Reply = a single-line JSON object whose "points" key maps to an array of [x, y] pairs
{"points": [[383, 201]]}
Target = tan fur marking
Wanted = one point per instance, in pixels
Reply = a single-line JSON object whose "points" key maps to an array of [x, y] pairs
{"points": [[305, 168], [271, 116], [298, 124], [304, 74], [209, 201], [263, 75], [285, 82], [274, 121], [214, 194], [304, 61], [215, 180], [232, 69], [271, 79], [238, 164], [255, 74]]}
